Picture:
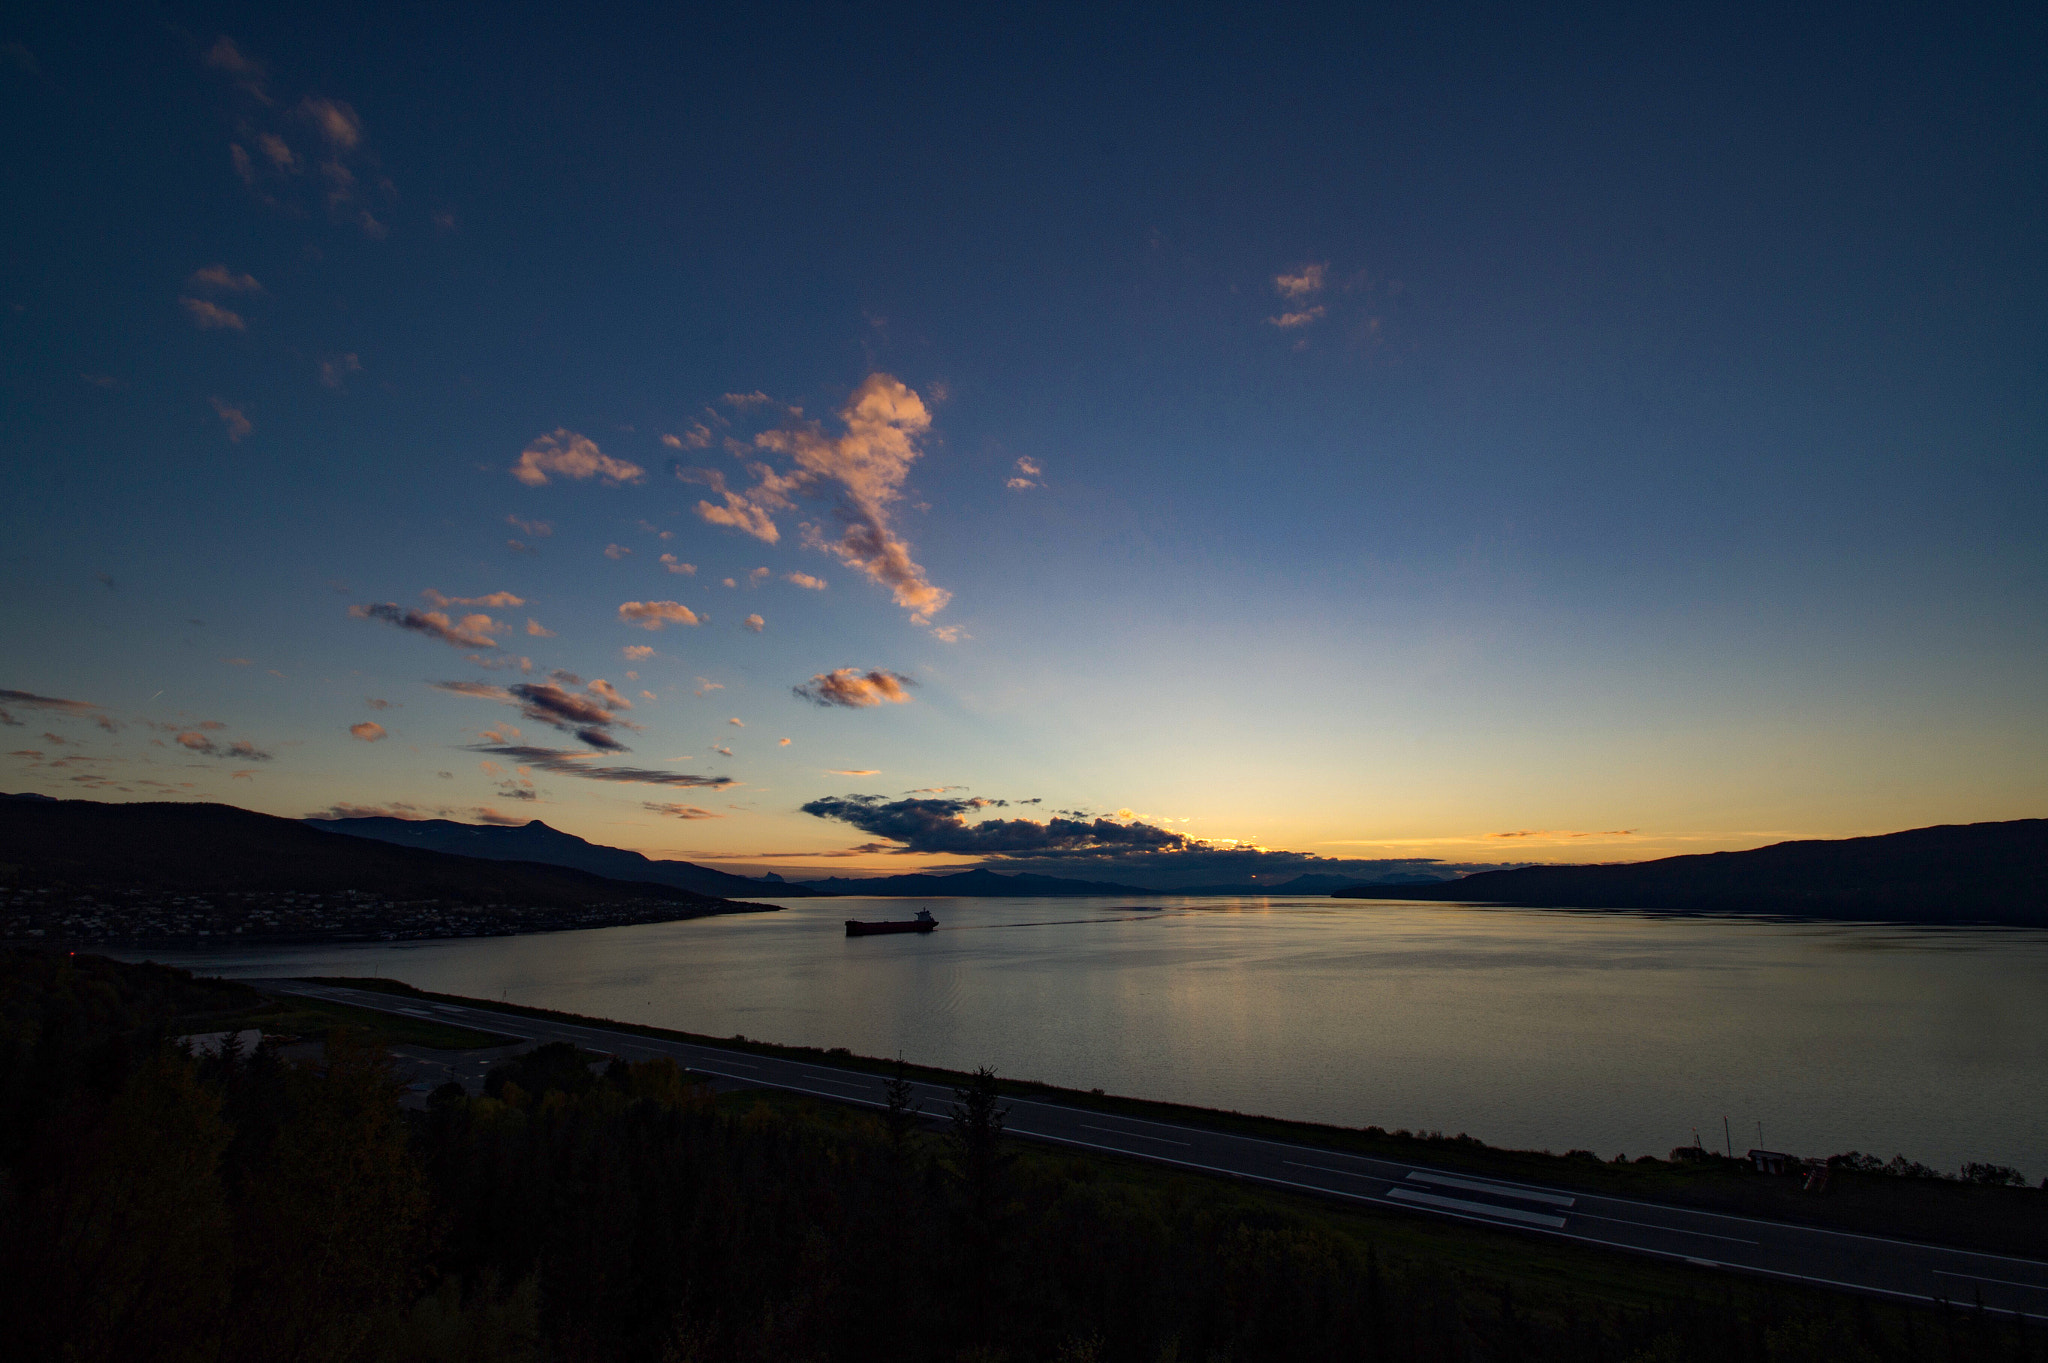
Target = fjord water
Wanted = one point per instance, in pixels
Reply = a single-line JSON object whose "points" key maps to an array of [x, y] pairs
{"points": [[1615, 1032]]}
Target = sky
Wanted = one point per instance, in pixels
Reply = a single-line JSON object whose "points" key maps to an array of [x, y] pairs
{"points": [[1169, 446]]}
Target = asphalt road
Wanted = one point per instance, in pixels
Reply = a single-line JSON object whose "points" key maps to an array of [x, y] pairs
{"points": [[1864, 1263]]}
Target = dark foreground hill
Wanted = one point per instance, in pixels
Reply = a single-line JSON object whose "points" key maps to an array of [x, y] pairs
{"points": [[1955, 873], [537, 842], [146, 872], [979, 882]]}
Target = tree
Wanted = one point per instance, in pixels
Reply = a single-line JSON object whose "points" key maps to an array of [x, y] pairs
{"points": [[900, 1111]]}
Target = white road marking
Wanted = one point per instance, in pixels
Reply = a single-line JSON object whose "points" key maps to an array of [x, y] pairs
{"points": [[1585, 1215], [1129, 1135], [1478, 1208], [1497, 1189], [1999, 1282]]}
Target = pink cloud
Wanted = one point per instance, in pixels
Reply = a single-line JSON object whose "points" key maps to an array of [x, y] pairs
{"points": [[656, 614], [495, 600], [1303, 282], [853, 689], [676, 565], [369, 731], [570, 455], [674, 811], [472, 631], [221, 277], [237, 423], [637, 652], [211, 317], [755, 623]]}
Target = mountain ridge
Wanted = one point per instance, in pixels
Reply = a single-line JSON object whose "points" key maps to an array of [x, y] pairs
{"points": [[535, 841], [1947, 873]]}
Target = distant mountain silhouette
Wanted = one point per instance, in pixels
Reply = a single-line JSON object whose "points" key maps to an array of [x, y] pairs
{"points": [[979, 882], [1316, 883], [537, 842], [85, 845], [1955, 873]]}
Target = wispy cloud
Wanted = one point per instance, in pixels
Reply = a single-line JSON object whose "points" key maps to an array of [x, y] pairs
{"points": [[225, 56], [234, 419], [737, 722], [1026, 475], [865, 465], [1287, 321], [222, 278], [852, 689], [754, 623], [538, 630], [615, 552], [336, 121], [705, 687], [657, 614], [335, 369], [939, 824], [806, 581], [564, 763], [540, 530], [241, 750], [566, 454], [211, 316], [29, 700], [1303, 283], [495, 600], [853, 771], [369, 731], [680, 811], [471, 631], [635, 653], [676, 565]]}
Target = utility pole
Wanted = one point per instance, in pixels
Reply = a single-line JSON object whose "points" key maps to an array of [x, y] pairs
{"points": [[1729, 1137]]}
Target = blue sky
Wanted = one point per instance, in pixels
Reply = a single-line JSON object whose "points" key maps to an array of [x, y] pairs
{"points": [[1623, 432]]}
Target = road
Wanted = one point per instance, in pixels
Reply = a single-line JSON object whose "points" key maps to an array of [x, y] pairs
{"points": [[1863, 1263]]}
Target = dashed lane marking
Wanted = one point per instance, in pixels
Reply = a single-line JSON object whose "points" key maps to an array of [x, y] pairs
{"points": [[1130, 1135], [1477, 1208], [1497, 1189]]}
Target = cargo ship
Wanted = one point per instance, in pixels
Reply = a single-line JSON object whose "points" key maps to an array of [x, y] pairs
{"points": [[924, 922]]}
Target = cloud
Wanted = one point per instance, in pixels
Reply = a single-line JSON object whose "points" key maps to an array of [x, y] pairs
{"points": [[562, 763], [241, 749], [705, 687], [212, 317], [680, 811], [755, 623], [853, 771], [222, 278], [855, 690], [336, 121], [342, 809], [472, 631], [740, 512], [29, 700], [866, 464], [237, 423], [478, 690], [884, 421], [587, 718], [1565, 834], [369, 731], [1287, 321], [495, 600], [572, 456], [726, 751], [697, 437], [676, 565], [781, 742], [334, 371], [737, 723], [755, 399], [540, 530], [950, 634], [225, 56], [615, 552], [935, 825], [609, 693], [1027, 471], [1302, 283], [376, 704], [279, 153], [538, 630], [656, 614], [806, 581], [637, 652]]}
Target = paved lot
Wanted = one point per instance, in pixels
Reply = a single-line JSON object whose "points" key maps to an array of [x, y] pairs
{"points": [[1894, 1268]]}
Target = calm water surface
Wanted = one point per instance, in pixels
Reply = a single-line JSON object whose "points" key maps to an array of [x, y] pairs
{"points": [[1531, 1028]]}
